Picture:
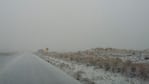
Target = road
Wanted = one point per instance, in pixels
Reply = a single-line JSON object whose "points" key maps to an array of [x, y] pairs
{"points": [[30, 69]]}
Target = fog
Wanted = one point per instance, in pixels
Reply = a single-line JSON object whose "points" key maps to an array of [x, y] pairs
{"points": [[68, 25]]}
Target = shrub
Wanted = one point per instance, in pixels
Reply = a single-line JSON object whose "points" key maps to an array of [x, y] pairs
{"points": [[117, 65]]}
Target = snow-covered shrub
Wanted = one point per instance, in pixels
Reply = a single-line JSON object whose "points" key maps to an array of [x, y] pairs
{"points": [[101, 58]]}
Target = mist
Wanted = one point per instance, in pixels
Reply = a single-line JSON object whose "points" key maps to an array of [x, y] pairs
{"points": [[69, 25]]}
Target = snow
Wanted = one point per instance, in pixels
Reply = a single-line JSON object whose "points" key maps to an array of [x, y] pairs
{"points": [[90, 74]]}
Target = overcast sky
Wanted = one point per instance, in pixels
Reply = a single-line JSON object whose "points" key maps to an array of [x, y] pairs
{"points": [[67, 25]]}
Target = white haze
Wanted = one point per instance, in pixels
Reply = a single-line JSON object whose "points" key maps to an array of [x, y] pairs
{"points": [[67, 25]]}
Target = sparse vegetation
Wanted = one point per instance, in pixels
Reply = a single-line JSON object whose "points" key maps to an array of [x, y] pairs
{"points": [[106, 62]]}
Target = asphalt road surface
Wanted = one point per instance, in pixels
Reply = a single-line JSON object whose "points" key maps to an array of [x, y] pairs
{"points": [[30, 69]]}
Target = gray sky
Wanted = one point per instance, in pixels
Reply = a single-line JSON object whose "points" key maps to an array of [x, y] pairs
{"points": [[66, 25]]}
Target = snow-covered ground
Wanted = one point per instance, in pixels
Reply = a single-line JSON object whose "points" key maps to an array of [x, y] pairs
{"points": [[90, 74]]}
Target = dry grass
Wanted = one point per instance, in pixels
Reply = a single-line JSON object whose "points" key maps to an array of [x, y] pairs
{"points": [[107, 63]]}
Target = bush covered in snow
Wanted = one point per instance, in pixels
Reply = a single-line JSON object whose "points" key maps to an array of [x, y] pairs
{"points": [[104, 58]]}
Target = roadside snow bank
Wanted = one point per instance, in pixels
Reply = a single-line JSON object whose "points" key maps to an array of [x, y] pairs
{"points": [[90, 74]]}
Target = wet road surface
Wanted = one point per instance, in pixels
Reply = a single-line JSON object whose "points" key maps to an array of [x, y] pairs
{"points": [[30, 69]]}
